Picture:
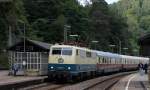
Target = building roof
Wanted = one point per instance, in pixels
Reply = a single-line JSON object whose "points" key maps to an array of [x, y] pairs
{"points": [[42, 45]]}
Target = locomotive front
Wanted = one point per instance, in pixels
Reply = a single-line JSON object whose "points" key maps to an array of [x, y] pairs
{"points": [[61, 62]]}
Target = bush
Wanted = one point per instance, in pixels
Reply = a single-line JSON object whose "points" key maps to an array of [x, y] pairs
{"points": [[4, 62]]}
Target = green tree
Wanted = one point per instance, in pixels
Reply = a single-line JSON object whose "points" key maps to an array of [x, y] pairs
{"points": [[54, 15], [136, 14], [100, 28]]}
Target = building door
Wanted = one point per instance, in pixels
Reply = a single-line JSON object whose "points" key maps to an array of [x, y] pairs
{"points": [[33, 61]]}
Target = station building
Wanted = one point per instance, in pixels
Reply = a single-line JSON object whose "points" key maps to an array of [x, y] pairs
{"points": [[31, 59]]}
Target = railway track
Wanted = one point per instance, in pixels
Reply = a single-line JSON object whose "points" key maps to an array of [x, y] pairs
{"points": [[105, 85], [45, 86], [100, 83]]}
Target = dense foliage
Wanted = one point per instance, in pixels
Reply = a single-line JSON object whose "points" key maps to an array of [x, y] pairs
{"points": [[137, 15], [91, 22]]}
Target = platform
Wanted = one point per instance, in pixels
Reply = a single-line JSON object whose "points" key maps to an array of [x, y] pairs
{"points": [[133, 82], [6, 80]]}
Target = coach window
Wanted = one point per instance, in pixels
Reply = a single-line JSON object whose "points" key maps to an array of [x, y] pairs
{"points": [[56, 51], [99, 60], [106, 61], [119, 62], [115, 61], [67, 51], [122, 61], [103, 60], [109, 60]]}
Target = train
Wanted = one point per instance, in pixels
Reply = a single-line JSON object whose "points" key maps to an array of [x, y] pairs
{"points": [[76, 63]]}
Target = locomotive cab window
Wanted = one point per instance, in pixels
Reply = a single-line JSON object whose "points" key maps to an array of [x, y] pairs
{"points": [[62, 51], [56, 51], [66, 51]]}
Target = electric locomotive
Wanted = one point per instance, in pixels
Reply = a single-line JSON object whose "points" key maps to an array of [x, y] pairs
{"points": [[71, 62]]}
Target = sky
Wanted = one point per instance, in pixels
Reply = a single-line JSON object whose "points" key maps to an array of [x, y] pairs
{"points": [[111, 1], [108, 1]]}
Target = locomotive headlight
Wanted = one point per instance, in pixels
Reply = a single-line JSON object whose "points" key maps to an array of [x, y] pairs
{"points": [[69, 68], [52, 67]]}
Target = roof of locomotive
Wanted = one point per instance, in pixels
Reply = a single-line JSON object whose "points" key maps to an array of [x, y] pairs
{"points": [[69, 46]]}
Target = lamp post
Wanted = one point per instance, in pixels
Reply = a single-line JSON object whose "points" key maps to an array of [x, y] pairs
{"points": [[75, 36], [23, 29], [112, 46], [125, 48], [95, 42], [119, 44], [136, 52], [66, 28], [10, 36]]}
